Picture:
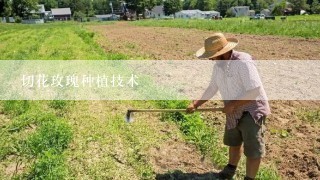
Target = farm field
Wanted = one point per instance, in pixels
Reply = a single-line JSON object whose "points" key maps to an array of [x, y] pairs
{"points": [[90, 138], [293, 26]]}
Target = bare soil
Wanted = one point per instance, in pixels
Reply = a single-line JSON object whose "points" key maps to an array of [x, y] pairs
{"points": [[296, 153]]}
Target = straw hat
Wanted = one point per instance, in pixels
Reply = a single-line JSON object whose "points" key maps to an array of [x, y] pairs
{"points": [[216, 45]]}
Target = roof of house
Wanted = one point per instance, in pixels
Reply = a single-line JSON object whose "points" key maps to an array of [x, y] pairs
{"points": [[104, 16], [61, 11], [194, 11], [40, 9], [210, 12], [240, 7], [266, 10]]}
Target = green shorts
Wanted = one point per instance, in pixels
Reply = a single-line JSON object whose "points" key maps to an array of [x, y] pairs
{"points": [[250, 134]]}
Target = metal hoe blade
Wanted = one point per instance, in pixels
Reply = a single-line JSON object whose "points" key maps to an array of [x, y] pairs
{"points": [[129, 116]]}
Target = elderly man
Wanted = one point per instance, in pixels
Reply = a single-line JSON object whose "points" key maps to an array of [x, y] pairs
{"points": [[245, 102]]}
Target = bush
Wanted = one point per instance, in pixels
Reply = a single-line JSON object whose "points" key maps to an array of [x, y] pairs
{"points": [[78, 16], [229, 13], [55, 135], [278, 10], [15, 107], [58, 104], [48, 166], [18, 19]]}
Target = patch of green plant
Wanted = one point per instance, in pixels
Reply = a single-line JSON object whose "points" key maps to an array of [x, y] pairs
{"points": [[282, 133], [49, 165], [15, 107], [54, 134], [196, 131], [29, 118], [312, 116], [293, 28], [268, 172], [58, 104]]}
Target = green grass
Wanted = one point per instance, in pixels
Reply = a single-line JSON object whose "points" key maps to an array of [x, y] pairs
{"points": [[66, 41], [294, 26], [309, 115]]}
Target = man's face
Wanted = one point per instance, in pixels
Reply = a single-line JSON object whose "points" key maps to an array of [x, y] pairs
{"points": [[221, 57], [225, 56]]}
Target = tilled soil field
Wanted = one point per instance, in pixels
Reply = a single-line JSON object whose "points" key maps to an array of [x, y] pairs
{"points": [[293, 144]]}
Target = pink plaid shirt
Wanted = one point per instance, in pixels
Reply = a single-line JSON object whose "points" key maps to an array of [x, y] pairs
{"points": [[233, 78]]}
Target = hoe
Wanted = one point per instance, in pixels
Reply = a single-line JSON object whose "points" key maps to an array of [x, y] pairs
{"points": [[129, 116]]}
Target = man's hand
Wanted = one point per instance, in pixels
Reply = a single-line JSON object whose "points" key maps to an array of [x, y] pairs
{"points": [[191, 108], [229, 108]]}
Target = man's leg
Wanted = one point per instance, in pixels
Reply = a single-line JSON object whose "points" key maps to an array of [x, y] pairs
{"points": [[233, 139], [252, 167], [234, 155], [254, 145]]}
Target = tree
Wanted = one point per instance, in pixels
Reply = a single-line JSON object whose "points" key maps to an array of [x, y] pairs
{"points": [[224, 5], [48, 4], [101, 6], [2, 6], [171, 6], [315, 8], [140, 5], [23, 8], [299, 5]]}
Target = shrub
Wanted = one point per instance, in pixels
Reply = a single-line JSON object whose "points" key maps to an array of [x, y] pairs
{"points": [[58, 104], [48, 166], [15, 107], [18, 19], [55, 134]]}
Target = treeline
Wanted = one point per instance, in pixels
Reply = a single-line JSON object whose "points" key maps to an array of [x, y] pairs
{"points": [[92, 7]]}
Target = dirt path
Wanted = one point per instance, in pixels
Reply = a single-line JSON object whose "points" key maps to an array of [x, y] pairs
{"points": [[175, 43], [297, 155]]}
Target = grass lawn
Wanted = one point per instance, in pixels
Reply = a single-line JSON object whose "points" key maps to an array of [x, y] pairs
{"points": [[294, 26]]}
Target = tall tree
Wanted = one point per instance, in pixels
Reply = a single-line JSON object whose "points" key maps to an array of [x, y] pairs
{"points": [[315, 7], [2, 6], [101, 6], [48, 4], [171, 6], [140, 5], [224, 5], [23, 7], [299, 5]]}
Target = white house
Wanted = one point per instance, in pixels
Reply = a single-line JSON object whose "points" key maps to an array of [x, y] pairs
{"points": [[61, 13], [189, 14], [209, 14], [157, 12], [240, 11]]}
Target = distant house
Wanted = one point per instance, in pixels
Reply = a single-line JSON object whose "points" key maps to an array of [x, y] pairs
{"points": [[266, 12], [157, 12], [61, 14], [252, 12], [107, 17], [41, 11], [189, 14], [210, 14], [3, 20], [240, 11]]}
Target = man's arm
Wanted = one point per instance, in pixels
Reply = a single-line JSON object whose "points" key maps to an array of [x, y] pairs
{"points": [[208, 94], [248, 97]]}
